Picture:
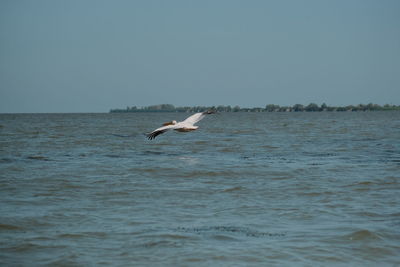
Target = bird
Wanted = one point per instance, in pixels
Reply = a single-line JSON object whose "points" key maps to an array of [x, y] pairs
{"points": [[183, 126]]}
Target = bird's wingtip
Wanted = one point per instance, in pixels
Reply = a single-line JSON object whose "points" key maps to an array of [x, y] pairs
{"points": [[148, 136]]}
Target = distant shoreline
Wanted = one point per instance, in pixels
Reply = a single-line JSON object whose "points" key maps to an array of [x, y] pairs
{"points": [[268, 108]]}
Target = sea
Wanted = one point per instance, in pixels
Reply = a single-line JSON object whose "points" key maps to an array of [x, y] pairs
{"points": [[245, 189]]}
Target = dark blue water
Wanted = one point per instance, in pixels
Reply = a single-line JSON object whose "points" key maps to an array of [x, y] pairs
{"points": [[245, 189]]}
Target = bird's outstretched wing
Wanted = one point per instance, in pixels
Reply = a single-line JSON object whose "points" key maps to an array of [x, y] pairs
{"points": [[159, 131], [197, 117], [188, 123]]}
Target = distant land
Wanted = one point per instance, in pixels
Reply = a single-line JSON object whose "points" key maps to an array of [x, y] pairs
{"points": [[268, 108]]}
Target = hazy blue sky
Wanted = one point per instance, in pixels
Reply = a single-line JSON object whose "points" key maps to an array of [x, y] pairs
{"points": [[90, 56]]}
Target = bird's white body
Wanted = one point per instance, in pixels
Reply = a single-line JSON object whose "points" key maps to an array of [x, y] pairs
{"points": [[183, 126]]}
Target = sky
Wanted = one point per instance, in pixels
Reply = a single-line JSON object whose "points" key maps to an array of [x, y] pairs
{"points": [[95, 55]]}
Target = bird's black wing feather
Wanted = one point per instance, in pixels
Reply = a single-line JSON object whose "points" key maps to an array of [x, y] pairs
{"points": [[153, 135]]}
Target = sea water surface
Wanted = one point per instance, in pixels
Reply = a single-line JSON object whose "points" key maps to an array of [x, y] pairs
{"points": [[245, 189]]}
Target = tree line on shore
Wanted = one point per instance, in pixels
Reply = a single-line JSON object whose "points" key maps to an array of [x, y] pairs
{"points": [[312, 107]]}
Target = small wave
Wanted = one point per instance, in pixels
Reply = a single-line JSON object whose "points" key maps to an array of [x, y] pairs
{"points": [[124, 135], [148, 152], [71, 236], [369, 185], [28, 247], [6, 160], [168, 236], [369, 214], [217, 230], [217, 130], [206, 173], [161, 243], [319, 154], [160, 170], [316, 164], [113, 156], [246, 131], [69, 185], [365, 139], [316, 194], [41, 158], [228, 149], [201, 142], [159, 153], [221, 237], [95, 234], [68, 260], [363, 235], [269, 147], [9, 227], [232, 189]]}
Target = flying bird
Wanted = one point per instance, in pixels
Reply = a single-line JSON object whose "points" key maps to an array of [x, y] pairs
{"points": [[182, 126]]}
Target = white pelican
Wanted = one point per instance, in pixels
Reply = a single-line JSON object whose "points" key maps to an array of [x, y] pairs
{"points": [[182, 126]]}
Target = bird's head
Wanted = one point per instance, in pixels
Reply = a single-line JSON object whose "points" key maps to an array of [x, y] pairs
{"points": [[170, 123]]}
